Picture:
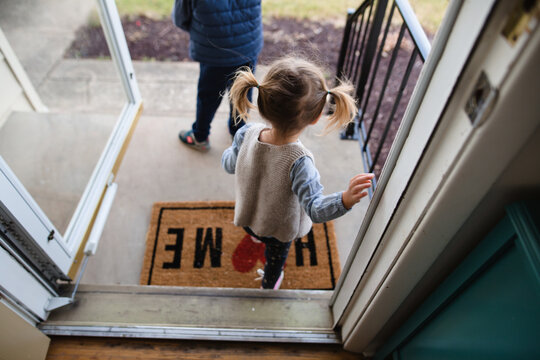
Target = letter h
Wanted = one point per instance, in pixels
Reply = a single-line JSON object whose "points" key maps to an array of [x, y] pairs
{"points": [[310, 245]]}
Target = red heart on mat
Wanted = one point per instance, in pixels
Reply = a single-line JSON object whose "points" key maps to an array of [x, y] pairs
{"points": [[247, 253]]}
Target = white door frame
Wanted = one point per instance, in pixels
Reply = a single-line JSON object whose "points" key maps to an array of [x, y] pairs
{"points": [[29, 228], [445, 165], [433, 87]]}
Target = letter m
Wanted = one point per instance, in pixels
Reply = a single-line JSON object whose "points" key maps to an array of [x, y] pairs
{"points": [[201, 246]]}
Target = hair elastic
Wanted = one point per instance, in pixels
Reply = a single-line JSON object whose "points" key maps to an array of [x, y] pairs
{"points": [[328, 92]]}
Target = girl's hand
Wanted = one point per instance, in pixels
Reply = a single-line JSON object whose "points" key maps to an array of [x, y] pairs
{"points": [[356, 190]]}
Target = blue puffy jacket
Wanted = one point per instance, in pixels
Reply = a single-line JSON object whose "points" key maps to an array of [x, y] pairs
{"points": [[226, 32]]}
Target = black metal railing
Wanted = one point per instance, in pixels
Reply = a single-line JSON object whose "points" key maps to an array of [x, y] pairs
{"points": [[382, 53]]}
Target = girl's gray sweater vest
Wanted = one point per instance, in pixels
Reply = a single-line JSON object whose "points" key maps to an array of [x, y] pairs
{"points": [[264, 198]]}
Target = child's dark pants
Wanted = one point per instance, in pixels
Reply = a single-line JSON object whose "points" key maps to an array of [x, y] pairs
{"points": [[275, 253]]}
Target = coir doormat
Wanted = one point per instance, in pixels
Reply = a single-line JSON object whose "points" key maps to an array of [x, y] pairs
{"points": [[197, 244]]}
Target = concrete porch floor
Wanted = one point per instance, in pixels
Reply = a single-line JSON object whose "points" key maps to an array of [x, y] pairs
{"points": [[156, 166]]}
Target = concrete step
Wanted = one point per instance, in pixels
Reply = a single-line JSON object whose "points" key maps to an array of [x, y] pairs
{"points": [[196, 313]]}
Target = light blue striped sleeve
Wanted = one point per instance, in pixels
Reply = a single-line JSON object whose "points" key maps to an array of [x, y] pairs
{"points": [[228, 159], [306, 184]]}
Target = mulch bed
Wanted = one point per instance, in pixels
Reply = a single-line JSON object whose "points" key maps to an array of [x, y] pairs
{"points": [[160, 40], [150, 39]]}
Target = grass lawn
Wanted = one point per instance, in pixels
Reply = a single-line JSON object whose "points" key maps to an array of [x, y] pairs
{"points": [[429, 12]]}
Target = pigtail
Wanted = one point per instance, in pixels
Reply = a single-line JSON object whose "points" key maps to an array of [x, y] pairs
{"points": [[345, 106], [243, 81]]}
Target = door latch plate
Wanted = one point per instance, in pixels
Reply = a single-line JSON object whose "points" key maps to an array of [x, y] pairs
{"points": [[481, 100]]}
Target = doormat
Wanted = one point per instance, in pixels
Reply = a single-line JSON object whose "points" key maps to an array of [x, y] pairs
{"points": [[197, 244]]}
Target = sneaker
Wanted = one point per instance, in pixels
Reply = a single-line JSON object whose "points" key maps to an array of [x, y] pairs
{"points": [[260, 272], [187, 137]]}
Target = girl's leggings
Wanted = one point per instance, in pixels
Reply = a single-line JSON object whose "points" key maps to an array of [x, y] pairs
{"points": [[275, 253]]}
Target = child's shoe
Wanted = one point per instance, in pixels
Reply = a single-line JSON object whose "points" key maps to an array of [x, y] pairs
{"points": [[187, 137], [279, 280]]}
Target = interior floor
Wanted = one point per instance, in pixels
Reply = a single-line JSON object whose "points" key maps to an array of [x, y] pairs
{"points": [[99, 348]]}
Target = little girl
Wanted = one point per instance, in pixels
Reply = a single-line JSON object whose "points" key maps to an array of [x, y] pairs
{"points": [[278, 189]]}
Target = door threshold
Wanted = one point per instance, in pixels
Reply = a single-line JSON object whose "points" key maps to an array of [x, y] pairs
{"points": [[163, 312], [186, 333]]}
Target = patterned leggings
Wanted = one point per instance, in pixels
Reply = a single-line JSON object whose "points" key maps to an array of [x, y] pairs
{"points": [[275, 254]]}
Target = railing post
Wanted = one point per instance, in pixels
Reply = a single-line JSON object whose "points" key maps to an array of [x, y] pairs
{"points": [[344, 43], [348, 133]]}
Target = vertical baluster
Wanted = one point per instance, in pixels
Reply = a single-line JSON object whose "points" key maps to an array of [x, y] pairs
{"points": [[377, 61], [396, 103], [347, 54], [356, 75], [344, 45], [345, 64], [366, 31], [360, 47], [354, 64], [371, 46], [385, 83], [352, 46]]}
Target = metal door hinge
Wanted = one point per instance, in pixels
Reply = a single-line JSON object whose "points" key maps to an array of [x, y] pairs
{"points": [[57, 302]]}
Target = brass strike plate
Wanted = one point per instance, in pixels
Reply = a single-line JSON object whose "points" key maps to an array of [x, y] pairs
{"points": [[522, 19]]}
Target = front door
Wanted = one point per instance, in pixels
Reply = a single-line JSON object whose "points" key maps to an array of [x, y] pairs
{"points": [[57, 174]]}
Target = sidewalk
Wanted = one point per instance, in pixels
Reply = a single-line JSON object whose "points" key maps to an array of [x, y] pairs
{"points": [[40, 31]]}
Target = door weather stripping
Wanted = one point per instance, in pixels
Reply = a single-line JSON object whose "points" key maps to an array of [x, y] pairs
{"points": [[90, 248]]}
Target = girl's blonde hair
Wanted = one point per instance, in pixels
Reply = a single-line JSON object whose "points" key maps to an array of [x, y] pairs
{"points": [[292, 95]]}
